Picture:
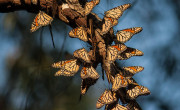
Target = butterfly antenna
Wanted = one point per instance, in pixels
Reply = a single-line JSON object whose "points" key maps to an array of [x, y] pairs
{"points": [[52, 38]]}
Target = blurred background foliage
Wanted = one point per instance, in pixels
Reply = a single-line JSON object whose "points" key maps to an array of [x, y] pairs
{"points": [[27, 80]]}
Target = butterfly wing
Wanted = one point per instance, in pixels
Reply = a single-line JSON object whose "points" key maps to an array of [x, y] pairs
{"points": [[126, 34], [116, 12], [114, 51], [68, 65], [83, 55], [89, 72], [89, 6], [131, 70], [137, 91], [64, 73], [119, 107], [119, 81], [129, 52], [108, 23], [85, 84], [106, 98], [41, 19], [80, 33]]}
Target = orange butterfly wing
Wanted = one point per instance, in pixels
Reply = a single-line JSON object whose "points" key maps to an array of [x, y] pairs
{"points": [[41, 19]]}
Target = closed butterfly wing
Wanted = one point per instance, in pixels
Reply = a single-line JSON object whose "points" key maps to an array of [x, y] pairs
{"points": [[114, 51], [119, 107], [83, 55], [108, 23], [79, 33], [137, 91], [89, 72], [129, 52], [64, 73], [116, 12], [106, 98], [68, 65], [85, 84], [131, 70], [126, 34], [90, 5], [119, 81], [41, 19], [133, 105]]}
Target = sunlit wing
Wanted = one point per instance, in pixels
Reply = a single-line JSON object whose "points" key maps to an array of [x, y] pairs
{"points": [[83, 55], [114, 51], [41, 19], [136, 91], [119, 107], [129, 52], [71, 66], [108, 24], [89, 72], [90, 5], [119, 81], [80, 33], [116, 12], [64, 73], [105, 98], [131, 70], [126, 34]]}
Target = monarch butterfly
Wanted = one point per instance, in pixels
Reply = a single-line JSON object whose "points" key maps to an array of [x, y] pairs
{"points": [[136, 91], [108, 23], [80, 33], [116, 12], [85, 84], [114, 51], [64, 72], [82, 54], [112, 16], [119, 81], [126, 34], [119, 107], [90, 5], [106, 98], [41, 19], [133, 105], [129, 52], [89, 72], [67, 67], [130, 71]]}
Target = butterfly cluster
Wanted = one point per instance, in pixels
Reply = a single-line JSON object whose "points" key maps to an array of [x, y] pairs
{"points": [[125, 90]]}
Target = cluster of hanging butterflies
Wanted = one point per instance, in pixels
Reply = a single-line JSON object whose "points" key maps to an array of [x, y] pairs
{"points": [[122, 78]]}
